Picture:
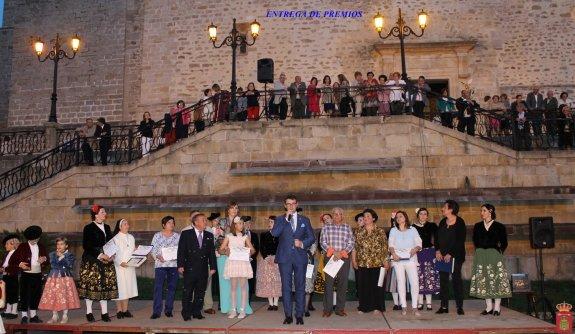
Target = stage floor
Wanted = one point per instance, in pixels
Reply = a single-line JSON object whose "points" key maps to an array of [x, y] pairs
{"points": [[263, 321]]}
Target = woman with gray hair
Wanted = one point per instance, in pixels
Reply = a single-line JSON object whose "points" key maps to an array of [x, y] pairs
{"points": [[126, 275], [280, 96]]}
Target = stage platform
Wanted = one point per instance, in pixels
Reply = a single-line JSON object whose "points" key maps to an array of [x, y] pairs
{"points": [[263, 321]]}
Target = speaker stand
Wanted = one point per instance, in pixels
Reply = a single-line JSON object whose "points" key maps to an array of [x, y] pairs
{"points": [[542, 302], [265, 112]]}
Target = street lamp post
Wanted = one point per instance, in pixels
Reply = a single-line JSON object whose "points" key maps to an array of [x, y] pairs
{"points": [[401, 30], [55, 54], [234, 39]]}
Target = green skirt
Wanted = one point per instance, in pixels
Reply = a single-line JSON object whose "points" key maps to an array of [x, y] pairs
{"points": [[490, 278]]}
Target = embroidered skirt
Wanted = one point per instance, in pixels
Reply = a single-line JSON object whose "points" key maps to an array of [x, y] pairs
{"points": [[428, 275], [268, 282], [59, 294], [97, 280], [490, 278]]}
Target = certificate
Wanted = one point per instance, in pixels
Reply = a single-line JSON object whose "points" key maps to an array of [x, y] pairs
{"points": [[142, 250], [169, 253], [381, 277], [136, 261], [404, 254], [332, 267], [240, 254], [110, 248], [309, 271]]}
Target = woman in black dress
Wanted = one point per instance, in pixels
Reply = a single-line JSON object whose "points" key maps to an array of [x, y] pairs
{"points": [[490, 279], [450, 246], [268, 276], [97, 271]]}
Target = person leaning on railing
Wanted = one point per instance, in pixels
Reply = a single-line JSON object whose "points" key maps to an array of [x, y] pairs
{"points": [[104, 134], [550, 106], [565, 127], [280, 96], [86, 134], [253, 104], [396, 95], [298, 98], [370, 102], [522, 128], [466, 116], [383, 97], [346, 103]]}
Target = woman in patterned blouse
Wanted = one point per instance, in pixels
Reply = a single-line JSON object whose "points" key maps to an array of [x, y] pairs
{"points": [[369, 256]]}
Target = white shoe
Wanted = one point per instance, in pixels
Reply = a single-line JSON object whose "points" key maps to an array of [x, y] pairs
{"points": [[64, 319], [232, 314], [53, 320], [403, 311], [242, 314]]}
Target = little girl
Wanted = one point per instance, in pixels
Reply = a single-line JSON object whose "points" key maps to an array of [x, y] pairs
{"points": [[60, 292], [2, 303], [238, 272]]}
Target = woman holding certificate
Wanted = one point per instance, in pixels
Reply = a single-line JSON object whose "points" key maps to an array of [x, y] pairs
{"points": [[237, 268], [165, 250], [369, 258], [404, 243], [126, 274], [490, 279]]}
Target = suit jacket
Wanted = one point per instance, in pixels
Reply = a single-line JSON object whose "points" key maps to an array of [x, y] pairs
{"points": [[294, 89], [93, 239], [462, 104], [414, 89], [531, 104], [105, 134], [193, 258], [287, 252], [24, 254]]}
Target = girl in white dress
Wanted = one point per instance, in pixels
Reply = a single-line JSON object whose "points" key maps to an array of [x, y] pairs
{"points": [[126, 275], [238, 272]]}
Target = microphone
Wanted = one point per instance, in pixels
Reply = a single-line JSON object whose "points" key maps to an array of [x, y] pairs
{"points": [[289, 217]]}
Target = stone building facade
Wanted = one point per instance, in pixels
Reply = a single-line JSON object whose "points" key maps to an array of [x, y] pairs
{"points": [[141, 56]]}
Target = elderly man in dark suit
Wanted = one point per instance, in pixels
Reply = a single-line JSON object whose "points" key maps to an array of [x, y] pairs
{"points": [[535, 106], [196, 254]]}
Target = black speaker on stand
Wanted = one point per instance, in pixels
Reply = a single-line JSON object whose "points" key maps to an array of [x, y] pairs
{"points": [[542, 235], [265, 76]]}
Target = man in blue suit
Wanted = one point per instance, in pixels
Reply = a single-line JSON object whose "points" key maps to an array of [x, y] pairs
{"points": [[295, 237]]}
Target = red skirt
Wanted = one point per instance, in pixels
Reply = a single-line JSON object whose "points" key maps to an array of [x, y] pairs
{"points": [[59, 294], [253, 113]]}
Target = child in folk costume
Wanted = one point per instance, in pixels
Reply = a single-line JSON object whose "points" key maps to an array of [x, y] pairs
{"points": [[268, 283], [60, 292], [28, 259], [10, 242], [126, 275], [238, 272]]}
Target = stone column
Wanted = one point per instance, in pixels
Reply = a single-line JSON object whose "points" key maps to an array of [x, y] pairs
{"points": [[51, 135]]}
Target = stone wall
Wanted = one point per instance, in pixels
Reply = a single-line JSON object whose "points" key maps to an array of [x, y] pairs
{"points": [[144, 55], [352, 163], [5, 73]]}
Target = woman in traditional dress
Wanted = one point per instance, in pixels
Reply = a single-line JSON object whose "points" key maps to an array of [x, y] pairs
{"points": [[428, 275], [97, 272], [126, 275], [319, 283], [268, 283], [490, 279]]}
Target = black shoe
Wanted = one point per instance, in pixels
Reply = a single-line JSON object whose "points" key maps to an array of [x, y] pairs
{"points": [[120, 315], [496, 313], [127, 314], [270, 308], [306, 314], [35, 320], [420, 307], [429, 308], [276, 308], [169, 314], [288, 320], [397, 307], [90, 317], [299, 321], [155, 316], [199, 316], [311, 308], [24, 320], [460, 311], [187, 318], [442, 310], [4, 315], [106, 317], [484, 312]]}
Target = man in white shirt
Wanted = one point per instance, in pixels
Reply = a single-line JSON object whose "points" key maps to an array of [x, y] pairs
{"points": [[396, 94]]}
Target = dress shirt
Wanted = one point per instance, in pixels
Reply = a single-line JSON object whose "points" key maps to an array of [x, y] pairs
{"points": [[34, 265], [337, 236]]}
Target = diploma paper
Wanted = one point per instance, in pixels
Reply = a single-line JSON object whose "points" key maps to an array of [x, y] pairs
{"points": [[240, 254], [136, 261], [381, 277], [110, 248], [404, 254], [142, 250], [309, 271], [169, 253], [332, 267]]}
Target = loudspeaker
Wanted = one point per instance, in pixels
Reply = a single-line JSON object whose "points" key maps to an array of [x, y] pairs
{"points": [[265, 70], [542, 233]]}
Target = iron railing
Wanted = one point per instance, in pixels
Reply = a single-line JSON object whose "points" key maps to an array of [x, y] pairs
{"points": [[22, 142]]}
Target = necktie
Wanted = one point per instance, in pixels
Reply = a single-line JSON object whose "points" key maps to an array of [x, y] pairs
{"points": [[200, 239], [293, 226]]}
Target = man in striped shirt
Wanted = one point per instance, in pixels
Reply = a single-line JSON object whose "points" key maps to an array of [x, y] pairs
{"points": [[337, 240]]}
